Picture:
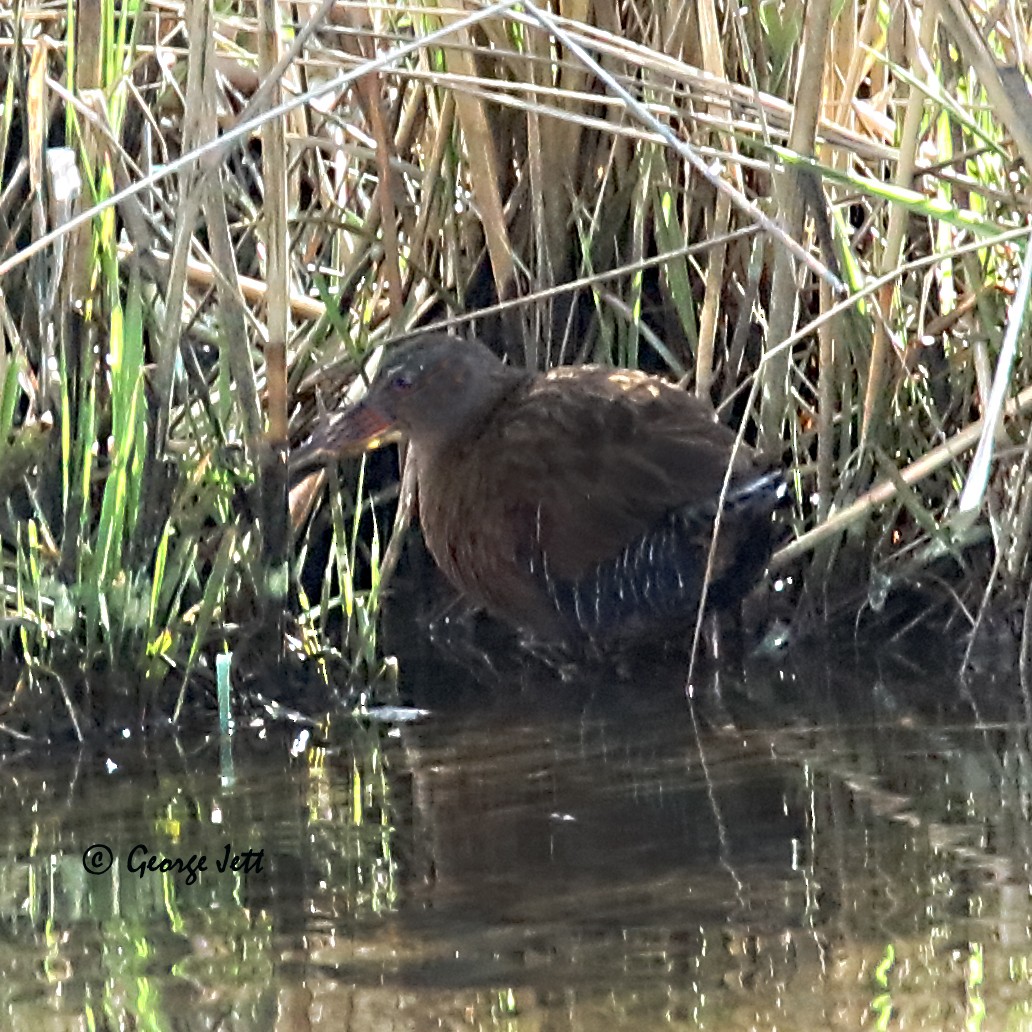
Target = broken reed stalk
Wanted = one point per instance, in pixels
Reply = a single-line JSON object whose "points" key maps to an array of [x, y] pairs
{"points": [[887, 489]]}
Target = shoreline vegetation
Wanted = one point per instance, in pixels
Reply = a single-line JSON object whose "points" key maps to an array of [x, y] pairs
{"points": [[208, 220]]}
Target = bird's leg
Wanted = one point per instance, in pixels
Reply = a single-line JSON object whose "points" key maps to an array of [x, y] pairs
{"points": [[711, 634], [706, 650], [452, 632], [711, 631], [728, 638], [715, 659], [442, 618], [555, 656]]}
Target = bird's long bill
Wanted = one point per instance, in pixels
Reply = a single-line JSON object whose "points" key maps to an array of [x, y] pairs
{"points": [[360, 428]]}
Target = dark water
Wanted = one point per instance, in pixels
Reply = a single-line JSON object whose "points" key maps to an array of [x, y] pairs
{"points": [[837, 845]]}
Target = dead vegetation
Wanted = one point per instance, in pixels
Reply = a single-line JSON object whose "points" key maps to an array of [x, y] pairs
{"points": [[815, 214]]}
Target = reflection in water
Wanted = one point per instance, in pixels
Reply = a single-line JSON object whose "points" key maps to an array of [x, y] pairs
{"points": [[835, 849]]}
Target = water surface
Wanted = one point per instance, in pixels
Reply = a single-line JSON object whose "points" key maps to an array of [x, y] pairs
{"points": [[828, 846]]}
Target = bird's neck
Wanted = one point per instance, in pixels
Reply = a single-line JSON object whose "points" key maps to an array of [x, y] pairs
{"points": [[473, 412]]}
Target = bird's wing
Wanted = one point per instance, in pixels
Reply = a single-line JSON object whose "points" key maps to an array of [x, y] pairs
{"points": [[588, 460]]}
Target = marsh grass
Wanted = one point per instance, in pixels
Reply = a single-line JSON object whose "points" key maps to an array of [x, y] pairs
{"points": [[820, 222]]}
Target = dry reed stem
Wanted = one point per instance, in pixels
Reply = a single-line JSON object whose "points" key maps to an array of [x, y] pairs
{"points": [[276, 234], [484, 173], [885, 490], [790, 198], [898, 217], [1006, 87], [716, 270]]}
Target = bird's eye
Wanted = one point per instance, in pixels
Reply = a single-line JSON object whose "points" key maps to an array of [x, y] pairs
{"points": [[401, 382]]}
